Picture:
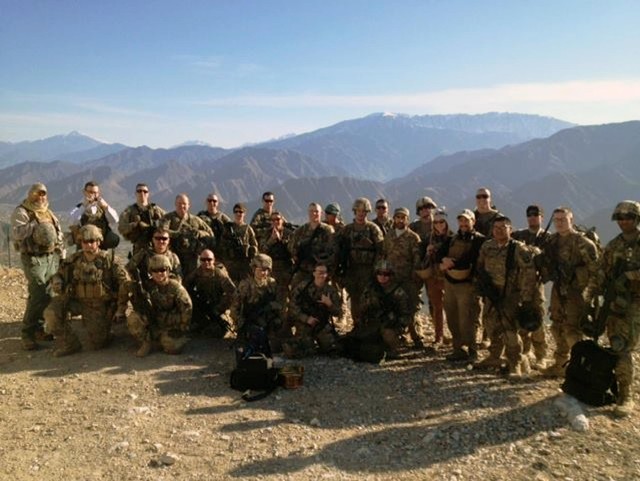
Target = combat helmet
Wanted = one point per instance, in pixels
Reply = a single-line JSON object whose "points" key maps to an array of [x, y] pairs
{"points": [[159, 262], [90, 232], [425, 202], [362, 203], [263, 261], [45, 236], [383, 266], [626, 209], [332, 208]]}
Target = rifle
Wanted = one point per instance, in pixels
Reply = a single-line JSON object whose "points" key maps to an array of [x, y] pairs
{"points": [[201, 299], [305, 250], [141, 299], [487, 288]]}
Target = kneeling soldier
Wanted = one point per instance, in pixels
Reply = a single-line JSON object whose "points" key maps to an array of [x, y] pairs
{"points": [[89, 283], [165, 320]]}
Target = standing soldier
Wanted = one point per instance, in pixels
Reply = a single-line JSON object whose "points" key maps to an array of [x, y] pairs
{"points": [[382, 219], [402, 250], [274, 243], [165, 320], [238, 245], [261, 219], [313, 305], [506, 277], [360, 246], [137, 221], [311, 243], [571, 262], [484, 212], [188, 233], [94, 210], [37, 235], [332, 217], [214, 218], [535, 236], [461, 304], [211, 290], [91, 284], [621, 269]]}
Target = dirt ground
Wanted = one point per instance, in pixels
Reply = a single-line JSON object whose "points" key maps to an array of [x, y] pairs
{"points": [[107, 415]]}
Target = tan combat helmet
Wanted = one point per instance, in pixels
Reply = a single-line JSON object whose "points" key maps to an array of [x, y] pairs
{"points": [[424, 202], [90, 232], [626, 209], [263, 261], [159, 262], [362, 203]]}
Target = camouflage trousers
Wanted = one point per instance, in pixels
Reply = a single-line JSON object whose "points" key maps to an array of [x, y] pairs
{"points": [[309, 340], [354, 281], [38, 270], [164, 334], [626, 328], [462, 308], [96, 318], [502, 329], [565, 314]]}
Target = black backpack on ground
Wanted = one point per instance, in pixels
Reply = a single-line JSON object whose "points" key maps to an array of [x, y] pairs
{"points": [[254, 373], [590, 374]]}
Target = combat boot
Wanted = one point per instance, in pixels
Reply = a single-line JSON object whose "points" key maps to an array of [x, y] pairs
{"points": [[29, 344], [68, 349], [457, 355], [625, 404], [555, 370], [144, 349], [515, 371], [489, 363], [525, 366]]}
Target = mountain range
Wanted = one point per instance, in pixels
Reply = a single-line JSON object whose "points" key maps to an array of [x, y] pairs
{"points": [[536, 160]]}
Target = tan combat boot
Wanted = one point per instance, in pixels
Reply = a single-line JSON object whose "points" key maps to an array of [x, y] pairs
{"points": [[555, 370], [625, 404], [68, 349], [144, 349], [489, 362]]}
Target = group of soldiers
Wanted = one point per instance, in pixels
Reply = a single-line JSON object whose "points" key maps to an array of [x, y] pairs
{"points": [[279, 287]]}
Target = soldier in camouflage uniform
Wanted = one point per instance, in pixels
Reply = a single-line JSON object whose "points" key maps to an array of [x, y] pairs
{"points": [[359, 245], [313, 305], [138, 265], [621, 274], [37, 235], [332, 217], [535, 343], [311, 243], [571, 262], [94, 210], [461, 304], [91, 284], [261, 219], [214, 218], [484, 212], [402, 250], [506, 277], [256, 310], [165, 321], [386, 312], [211, 290], [188, 233], [274, 242], [138, 221], [382, 219], [238, 245]]}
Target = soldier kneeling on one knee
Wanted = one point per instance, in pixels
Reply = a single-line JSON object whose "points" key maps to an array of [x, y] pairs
{"points": [[162, 318]]}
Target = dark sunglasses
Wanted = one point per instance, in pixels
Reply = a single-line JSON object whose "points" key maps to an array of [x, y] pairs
{"points": [[164, 239], [142, 191], [268, 201], [383, 273], [160, 269], [213, 201], [482, 196], [381, 207], [206, 259]]}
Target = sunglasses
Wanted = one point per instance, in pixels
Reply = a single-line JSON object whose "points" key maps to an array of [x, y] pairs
{"points": [[238, 212], [159, 269], [383, 207], [163, 239], [42, 192], [533, 214], [268, 201], [206, 259], [142, 191], [482, 196], [213, 201], [383, 273]]}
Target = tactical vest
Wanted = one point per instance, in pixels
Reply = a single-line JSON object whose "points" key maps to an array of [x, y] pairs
{"points": [[92, 280], [362, 245]]}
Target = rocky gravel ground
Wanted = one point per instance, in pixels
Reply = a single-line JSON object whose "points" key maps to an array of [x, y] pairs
{"points": [[107, 415]]}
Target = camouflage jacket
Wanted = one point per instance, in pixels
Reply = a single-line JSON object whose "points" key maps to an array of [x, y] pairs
{"points": [[484, 222], [537, 239], [387, 307], [212, 289], [172, 307], [403, 252], [305, 302], [274, 247], [423, 229], [385, 226], [359, 245], [622, 257], [215, 221], [520, 281], [238, 242], [136, 223], [256, 304], [187, 234], [140, 262], [571, 262], [308, 246], [23, 223]]}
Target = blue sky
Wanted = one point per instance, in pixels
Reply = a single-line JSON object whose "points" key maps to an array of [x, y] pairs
{"points": [[229, 72]]}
